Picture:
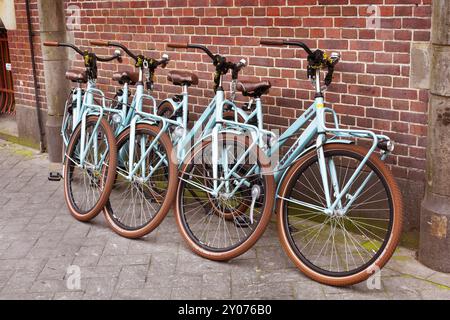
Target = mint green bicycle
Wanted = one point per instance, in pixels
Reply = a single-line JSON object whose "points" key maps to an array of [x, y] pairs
{"points": [[88, 140]]}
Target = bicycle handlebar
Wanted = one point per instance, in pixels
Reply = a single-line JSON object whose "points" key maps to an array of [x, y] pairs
{"points": [[116, 55], [103, 43], [51, 44], [177, 45], [317, 59], [221, 63], [139, 59], [81, 52], [192, 46], [276, 42], [59, 44]]}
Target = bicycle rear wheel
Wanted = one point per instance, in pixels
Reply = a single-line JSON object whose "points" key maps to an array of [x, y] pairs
{"points": [[341, 248], [209, 223], [138, 205], [86, 190]]}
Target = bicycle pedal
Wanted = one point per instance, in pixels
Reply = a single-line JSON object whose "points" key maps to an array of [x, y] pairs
{"points": [[242, 221], [54, 176]]}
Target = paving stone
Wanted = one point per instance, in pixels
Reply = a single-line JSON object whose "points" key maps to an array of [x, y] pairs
{"points": [[141, 246], [361, 290], [245, 276], [116, 246], [440, 278], [186, 293], [100, 288], [95, 250], [24, 265], [308, 291], [173, 280], [77, 230], [132, 276], [220, 291], [188, 262], [405, 288], [143, 294], [4, 277], [272, 258], [41, 253], [163, 263], [19, 282], [283, 275], [438, 293], [50, 239], [56, 268], [407, 264], [124, 260], [26, 296], [48, 286], [70, 295], [100, 272], [18, 249], [86, 261], [4, 244], [262, 291]]}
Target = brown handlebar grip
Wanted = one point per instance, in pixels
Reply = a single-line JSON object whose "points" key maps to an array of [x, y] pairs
{"points": [[177, 45], [272, 42], [100, 43], [51, 44]]}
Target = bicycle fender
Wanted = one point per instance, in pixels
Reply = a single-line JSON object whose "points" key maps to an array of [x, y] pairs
{"points": [[140, 121], [171, 101]]}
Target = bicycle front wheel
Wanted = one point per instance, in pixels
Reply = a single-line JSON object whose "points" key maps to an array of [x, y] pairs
{"points": [[348, 245], [225, 225], [138, 204], [86, 190]]}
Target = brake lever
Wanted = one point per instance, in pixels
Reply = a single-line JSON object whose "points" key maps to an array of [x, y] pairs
{"points": [[118, 54], [165, 60], [238, 67], [329, 76], [334, 57]]}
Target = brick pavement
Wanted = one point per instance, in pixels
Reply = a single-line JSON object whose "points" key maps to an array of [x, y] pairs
{"points": [[39, 241]]}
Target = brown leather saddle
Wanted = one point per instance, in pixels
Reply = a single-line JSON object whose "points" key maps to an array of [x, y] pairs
{"points": [[77, 76], [181, 78], [128, 77], [253, 89]]}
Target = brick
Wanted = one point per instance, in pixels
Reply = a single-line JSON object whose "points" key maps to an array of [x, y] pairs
{"points": [[397, 46], [400, 93], [383, 69], [416, 23]]}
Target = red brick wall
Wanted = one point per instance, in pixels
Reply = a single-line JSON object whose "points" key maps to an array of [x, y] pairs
{"points": [[20, 53], [371, 88]]}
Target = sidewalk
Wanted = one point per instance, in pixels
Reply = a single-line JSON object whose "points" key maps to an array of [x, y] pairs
{"points": [[39, 240]]}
